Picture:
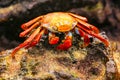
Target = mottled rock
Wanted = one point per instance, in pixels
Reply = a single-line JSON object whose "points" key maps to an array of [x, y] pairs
{"points": [[57, 65]]}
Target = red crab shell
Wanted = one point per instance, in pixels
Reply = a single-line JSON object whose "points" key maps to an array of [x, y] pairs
{"points": [[58, 22]]}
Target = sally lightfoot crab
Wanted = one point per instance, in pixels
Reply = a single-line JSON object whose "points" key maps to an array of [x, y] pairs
{"points": [[58, 22]]}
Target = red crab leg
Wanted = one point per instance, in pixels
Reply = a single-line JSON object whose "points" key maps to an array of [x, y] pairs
{"points": [[26, 25], [79, 17], [67, 43], [95, 35], [88, 26], [37, 39], [22, 34], [53, 39], [26, 42], [84, 35]]}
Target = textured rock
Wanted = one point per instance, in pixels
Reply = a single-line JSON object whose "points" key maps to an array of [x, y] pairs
{"points": [[39, 63]]}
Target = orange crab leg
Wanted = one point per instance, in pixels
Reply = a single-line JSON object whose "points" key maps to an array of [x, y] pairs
{"points": [[53, 39], [67, 43], [84, 35], [22, 34], [88, 26], [37, 39], [106, 42], [26, 42], [26, 25], [79, 17]]}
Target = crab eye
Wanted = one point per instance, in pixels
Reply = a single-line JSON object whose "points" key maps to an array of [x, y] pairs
{"points": [[55, 28]]}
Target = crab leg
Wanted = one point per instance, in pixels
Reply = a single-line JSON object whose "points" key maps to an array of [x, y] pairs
{"points": [[22, 34], [88, 26], [26, 42], [26, 25], [95, 35], [36, 39], [67, 42], [84, 35], [53, 39], [79, 17]]}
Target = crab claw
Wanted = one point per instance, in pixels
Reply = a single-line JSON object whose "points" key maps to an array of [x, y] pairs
{"points": [[53, 39], [67, 43]]}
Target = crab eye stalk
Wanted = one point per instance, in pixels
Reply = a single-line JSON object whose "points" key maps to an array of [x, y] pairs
{"points": [[55, 28]]}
